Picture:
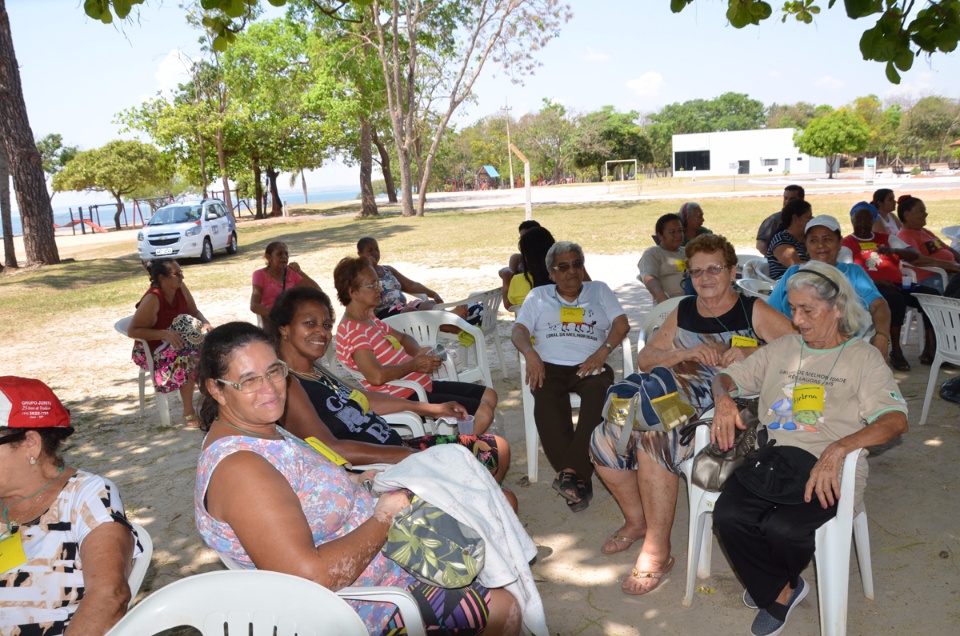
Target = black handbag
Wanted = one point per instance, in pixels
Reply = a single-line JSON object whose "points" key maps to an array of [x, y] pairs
{"points": [[712, 466]]}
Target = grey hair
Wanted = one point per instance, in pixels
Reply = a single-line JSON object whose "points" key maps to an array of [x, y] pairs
{"points": [[562, 247], [819, 276]]}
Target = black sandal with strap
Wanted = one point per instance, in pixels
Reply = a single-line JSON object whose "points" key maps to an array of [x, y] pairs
{"points": [[566, 485]]}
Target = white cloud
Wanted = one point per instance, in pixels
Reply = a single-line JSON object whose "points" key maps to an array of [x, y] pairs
{"points": [[172, 71], [647, 85], [919, 85], [595, 56], [828, 81]]}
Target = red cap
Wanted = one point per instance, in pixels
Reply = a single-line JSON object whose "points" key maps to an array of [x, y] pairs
{"points": [[29, 403]]}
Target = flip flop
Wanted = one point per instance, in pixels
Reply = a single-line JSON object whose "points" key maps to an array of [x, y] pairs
{"points": [[191, 423], [617, 543], [657, 576]]}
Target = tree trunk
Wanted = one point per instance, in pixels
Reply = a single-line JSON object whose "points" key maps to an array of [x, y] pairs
{"points": [[203, 166], [385, 168], [276, 209], [368, 203], [222, 158], [258, 188], [116, 215], [9, 249], [29, 181], [303, 183]]}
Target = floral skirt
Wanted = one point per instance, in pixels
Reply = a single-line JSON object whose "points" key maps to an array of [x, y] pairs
{"points": [[483, 447], [172, 368]]}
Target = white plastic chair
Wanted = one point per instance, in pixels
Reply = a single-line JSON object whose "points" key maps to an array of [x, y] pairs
{"points": [[424, 327], [654, 318], [759, 269], [138, 572], [942, 273], [912, 315], [491, 300], [530, 423], [944, 315], [163, 407], [406, 604], [251, 603], [756, 287], [832, 543], [952, 232], [744, 257]]}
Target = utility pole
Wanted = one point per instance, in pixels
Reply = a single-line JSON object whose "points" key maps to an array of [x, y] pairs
{"points": [[506, 109]]}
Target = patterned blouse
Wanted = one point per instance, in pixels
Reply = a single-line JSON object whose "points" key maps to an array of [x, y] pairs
{"points": [[390, 294], [41, 595], [332, 504]]}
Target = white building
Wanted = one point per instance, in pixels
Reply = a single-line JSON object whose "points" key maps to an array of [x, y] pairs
{"points": [[750, 152]]}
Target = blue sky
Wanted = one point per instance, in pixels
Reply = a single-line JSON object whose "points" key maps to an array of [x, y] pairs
{"points": [[78, 74]]}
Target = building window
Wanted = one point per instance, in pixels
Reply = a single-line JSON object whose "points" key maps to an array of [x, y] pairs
{"points": [[771, 162], [692, 160]]}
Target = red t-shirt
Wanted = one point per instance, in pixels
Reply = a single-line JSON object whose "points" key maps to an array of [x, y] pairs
{"points": [[353, 335], [927, 244], [166, 313], [878, 266]]}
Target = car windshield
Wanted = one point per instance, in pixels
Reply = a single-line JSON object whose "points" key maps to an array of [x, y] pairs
{"points": [[175, 214]]}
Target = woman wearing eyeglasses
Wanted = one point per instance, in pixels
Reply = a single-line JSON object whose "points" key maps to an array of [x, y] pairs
{"points": [[269, 501], [574, 326], [168, 319], [705, 334], [368, 345]]}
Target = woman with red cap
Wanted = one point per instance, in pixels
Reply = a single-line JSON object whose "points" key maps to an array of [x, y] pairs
{"points": [[65, 545]]}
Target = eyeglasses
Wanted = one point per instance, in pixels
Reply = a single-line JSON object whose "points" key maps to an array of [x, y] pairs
{"points": [[566, 267], [377, 284], [276, 374], [13, 437], [713, 270]]}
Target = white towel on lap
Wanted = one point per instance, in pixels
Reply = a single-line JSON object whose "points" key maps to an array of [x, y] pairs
{"points": [[449, 477]]}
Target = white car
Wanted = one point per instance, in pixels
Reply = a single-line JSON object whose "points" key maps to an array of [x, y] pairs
{"points": [[192, 229]]}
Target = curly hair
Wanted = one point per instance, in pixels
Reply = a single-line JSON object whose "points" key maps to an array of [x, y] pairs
{"points": [[287, 304], [711, 244]]}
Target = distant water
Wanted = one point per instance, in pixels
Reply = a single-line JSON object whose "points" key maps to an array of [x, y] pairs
{"points": [[61, 214]]}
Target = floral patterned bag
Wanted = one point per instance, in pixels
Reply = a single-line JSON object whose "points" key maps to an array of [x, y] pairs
{"points": [[433, 546]]}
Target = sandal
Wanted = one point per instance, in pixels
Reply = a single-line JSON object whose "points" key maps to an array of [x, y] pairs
{"points": [[618, 543], [191, 423], [899, 363], [640, 576], [566, 485], [585, 494]]}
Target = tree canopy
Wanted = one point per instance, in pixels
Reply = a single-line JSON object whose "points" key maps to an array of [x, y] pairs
{"points": [[121, 168], [840, 132], [903, 30]]}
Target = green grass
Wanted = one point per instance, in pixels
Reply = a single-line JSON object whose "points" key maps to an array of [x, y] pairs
{"points": [[110, 282]]}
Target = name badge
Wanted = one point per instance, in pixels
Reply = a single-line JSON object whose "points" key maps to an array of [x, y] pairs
{"points": [[360, 399], [681, 266], [326, 451], [868, 246], [808, 397], [744, 341], [392, 340], [11, 552], [571, 314]]}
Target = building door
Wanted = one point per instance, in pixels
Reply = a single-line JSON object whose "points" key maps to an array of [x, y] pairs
{"points": [[786, 165], [744, 168]]}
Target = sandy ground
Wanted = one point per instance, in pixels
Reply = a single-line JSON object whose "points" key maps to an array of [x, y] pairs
{"points": [[912, 498]]}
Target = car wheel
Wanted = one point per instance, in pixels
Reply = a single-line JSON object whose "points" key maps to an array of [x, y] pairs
{"points": [[207, 254], [232, 246]]}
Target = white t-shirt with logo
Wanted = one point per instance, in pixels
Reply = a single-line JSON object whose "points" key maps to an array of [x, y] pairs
{"points": [[567, 333]]}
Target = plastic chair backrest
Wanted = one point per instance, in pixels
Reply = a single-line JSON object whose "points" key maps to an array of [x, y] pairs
{"points": [[944, 315], [944, 277], [403, 599], [251, 603], [654, 319], [759, 269], [756, 287], [952, 232], [138, 572], [424, 327]]}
